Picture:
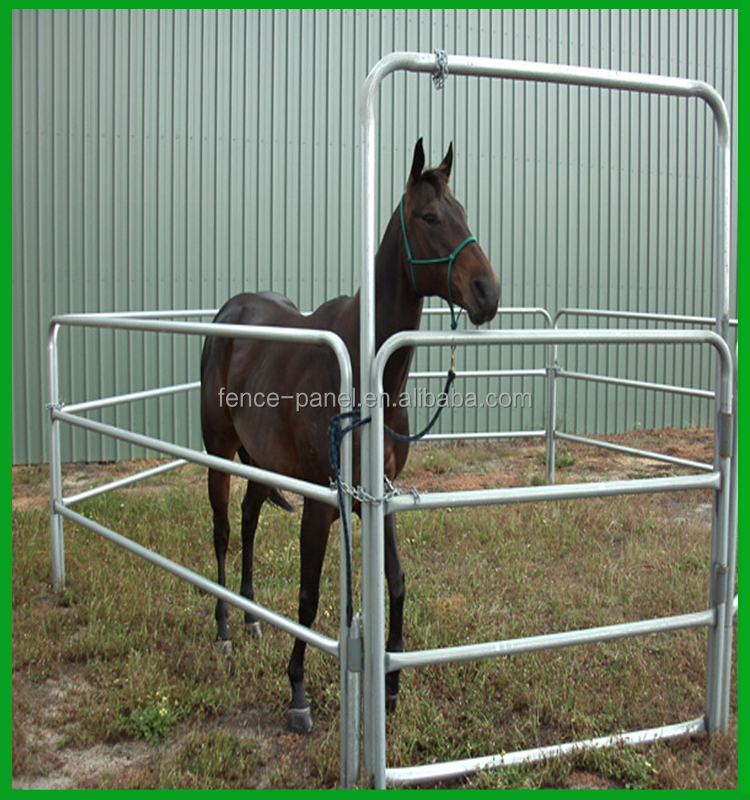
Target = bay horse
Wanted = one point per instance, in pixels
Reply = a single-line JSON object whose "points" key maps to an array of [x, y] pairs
{"points": [[412, 262]]}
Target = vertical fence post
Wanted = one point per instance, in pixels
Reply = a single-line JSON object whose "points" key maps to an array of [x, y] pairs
{"points": [[723, 560], [731, 558], [375, 651], [551, 411], [55, 470], [720, 599], [717, 693], [351, 704], [372, 480], [349, 640], [367, 354]]}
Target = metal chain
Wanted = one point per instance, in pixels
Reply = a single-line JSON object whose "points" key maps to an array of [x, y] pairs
{"points": [[363, 496], [441, 69]]}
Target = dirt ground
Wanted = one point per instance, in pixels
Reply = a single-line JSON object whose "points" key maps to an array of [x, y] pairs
{"points": [[521, 461], [518, 462], [67, 768], [505, 463]]}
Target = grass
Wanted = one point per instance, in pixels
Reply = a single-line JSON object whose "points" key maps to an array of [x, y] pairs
{"points": [[563, 458], [451, 459], [125, 654]]}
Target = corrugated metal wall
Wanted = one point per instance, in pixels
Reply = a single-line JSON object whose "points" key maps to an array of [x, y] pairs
{"points": [[168, 159]]}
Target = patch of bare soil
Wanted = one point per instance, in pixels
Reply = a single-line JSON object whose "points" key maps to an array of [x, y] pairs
{"points": [[589, 780], [51, 763], [73, 767]]}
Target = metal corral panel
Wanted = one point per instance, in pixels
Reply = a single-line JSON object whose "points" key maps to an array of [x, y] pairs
{"points": [[168, 159]]}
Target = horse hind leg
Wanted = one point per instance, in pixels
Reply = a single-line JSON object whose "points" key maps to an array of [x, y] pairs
{"points": [[251, 505], [316, 524], [218, 494]]}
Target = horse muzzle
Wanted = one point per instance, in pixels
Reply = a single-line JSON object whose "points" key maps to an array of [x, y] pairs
{"points": [[484, 298]]}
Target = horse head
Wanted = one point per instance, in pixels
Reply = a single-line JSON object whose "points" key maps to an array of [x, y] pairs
{"points": [[442, 256]]}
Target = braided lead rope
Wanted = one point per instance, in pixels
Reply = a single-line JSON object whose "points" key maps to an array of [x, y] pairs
{"points": [[400, 437], [336, 432], [441, 69]]}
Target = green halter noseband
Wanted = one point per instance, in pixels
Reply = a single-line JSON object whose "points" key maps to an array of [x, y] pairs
{"points": [[449, 259]]}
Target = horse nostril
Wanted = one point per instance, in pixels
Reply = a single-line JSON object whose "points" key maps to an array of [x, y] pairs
{"points": [[480, 289], [487, 295]]}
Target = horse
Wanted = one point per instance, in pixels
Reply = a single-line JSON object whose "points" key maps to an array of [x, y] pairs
{"points": [[412, 262]]}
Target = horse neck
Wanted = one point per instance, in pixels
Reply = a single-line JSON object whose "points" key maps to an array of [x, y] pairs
{"points": [[397, 308], [397, 305]]}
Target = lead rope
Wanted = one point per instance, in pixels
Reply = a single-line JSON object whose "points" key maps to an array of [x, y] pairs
{"points": [[336, 432]]}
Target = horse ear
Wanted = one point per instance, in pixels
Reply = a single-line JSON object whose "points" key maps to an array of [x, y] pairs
{"points": [[447, 162], [417, 164]]}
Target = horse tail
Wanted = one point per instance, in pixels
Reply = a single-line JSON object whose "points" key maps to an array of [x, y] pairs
{"points": [[276, 497]]}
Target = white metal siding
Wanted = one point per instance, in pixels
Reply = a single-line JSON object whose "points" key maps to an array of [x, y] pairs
{"points": [[169, 159]]}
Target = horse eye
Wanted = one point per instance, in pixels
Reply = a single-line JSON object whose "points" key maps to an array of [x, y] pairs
{"points": [[430, 219]]}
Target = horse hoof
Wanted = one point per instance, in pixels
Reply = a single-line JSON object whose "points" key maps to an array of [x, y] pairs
{"points": [[390, 702], [254, 630], [223, 646], [300, 720]]}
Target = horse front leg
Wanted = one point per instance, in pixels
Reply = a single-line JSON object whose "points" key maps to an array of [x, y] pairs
{"points": [[316, 524], [396, 592]]}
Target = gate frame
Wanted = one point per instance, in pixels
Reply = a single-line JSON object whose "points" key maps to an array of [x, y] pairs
{"points": [[346, 649], [723, 551]]}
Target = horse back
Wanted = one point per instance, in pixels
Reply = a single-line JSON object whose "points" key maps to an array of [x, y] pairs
{"points": [[284, 436]]}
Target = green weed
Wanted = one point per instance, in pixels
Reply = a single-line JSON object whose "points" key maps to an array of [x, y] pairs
{"points": [[153, 719], [563, 458]]}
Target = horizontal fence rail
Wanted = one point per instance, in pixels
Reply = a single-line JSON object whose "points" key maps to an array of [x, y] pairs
{"points": [[564, 491], [120, 483], [549, 641], [643, 316], [464, 768], [633, 384], [634, 451], [130, 397], [324, 643]]}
